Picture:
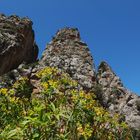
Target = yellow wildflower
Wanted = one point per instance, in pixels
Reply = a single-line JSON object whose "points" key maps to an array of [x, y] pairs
{"points": [[53, 83], [3, 91], [46, 71], [45, 85], [81, 94], [98, 111], [73, 92], [88, 96]]}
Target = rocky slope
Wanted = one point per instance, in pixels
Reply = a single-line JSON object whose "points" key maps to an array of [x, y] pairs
{"points": [[17, 43], [67, 52], [117, 98]]}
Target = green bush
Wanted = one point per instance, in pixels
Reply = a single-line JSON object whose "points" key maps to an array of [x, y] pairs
{"points": [[62, 111]]}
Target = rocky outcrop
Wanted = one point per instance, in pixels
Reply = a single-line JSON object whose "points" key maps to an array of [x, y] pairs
{"points": [[23, 70], [117, 98], [67, 52], [17, 42]]}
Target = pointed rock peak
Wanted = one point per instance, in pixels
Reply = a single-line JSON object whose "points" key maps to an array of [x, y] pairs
{"points": [[106, 77], [67, 52], [67, 33], [116, 98], [104, 66]]}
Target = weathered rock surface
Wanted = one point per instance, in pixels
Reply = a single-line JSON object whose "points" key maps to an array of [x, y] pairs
{"points": [[67, 52], [23, 70], [17, 43], [117, 98]]}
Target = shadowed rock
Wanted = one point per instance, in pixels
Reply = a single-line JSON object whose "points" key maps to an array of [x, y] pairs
{"points": [[17, 43]]}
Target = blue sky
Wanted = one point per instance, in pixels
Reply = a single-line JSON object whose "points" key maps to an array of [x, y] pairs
{"points": [[111, 28]]}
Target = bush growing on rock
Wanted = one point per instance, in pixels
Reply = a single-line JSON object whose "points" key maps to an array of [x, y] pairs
{"points": [[61, 110]]}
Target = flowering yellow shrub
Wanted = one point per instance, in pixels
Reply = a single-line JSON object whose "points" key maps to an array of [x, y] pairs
{"points": [[22, 87], [3, 91], [63, 111]]}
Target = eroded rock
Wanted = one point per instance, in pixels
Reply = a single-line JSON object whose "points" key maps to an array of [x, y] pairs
{"points": [[17, 42], [67, 52], [117, 98]]}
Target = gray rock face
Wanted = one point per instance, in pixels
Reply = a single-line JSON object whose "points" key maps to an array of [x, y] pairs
{"points": [[117, 98], [67, 52], [23, 70], [16, 42]]}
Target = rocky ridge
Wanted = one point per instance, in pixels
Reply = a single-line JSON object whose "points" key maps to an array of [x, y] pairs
{"points": [[67, 52], [117, 98]]}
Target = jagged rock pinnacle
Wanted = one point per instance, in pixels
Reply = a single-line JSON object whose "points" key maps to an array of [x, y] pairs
{"points": [[67, 33], [117, 98], [104, 66], [67, 52], [106, 76]]}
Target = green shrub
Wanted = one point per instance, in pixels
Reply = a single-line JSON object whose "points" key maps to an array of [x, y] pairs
{"points": [[63, 111]]}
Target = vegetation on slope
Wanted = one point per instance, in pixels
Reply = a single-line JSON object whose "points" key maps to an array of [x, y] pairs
{"points": [[60, 110]]}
